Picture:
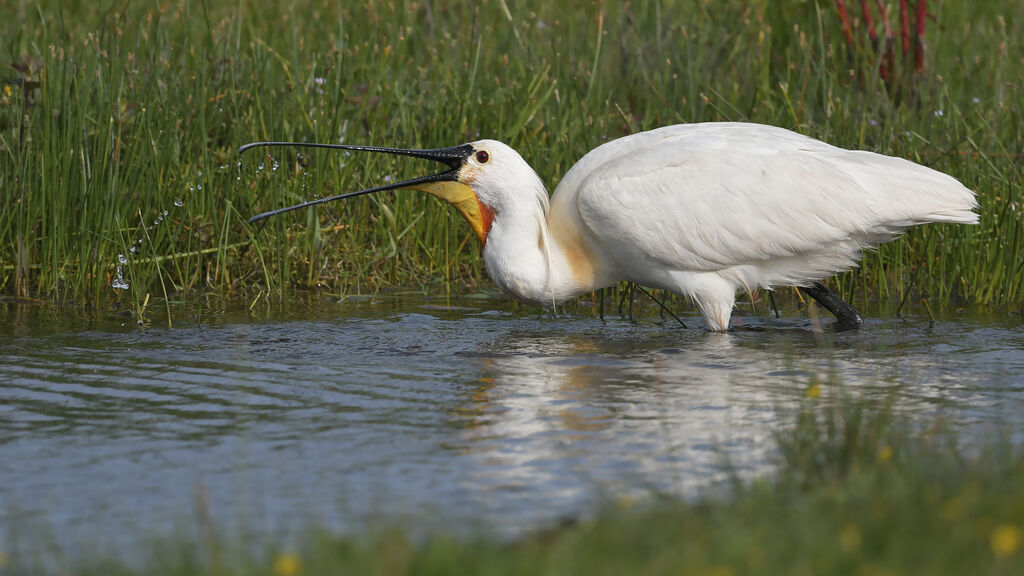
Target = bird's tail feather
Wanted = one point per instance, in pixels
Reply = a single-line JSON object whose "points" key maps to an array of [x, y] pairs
{"points": [[954, 217]]}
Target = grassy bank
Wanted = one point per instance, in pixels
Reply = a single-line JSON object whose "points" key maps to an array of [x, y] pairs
{"points": [[118, 129], [858, 491]]}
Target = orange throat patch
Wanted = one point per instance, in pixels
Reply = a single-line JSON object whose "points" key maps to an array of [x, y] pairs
{"points": [[479, 215], [486, 219]]}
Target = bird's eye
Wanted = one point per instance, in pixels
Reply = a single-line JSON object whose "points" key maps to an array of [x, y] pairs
{"points": [[482, 156]]}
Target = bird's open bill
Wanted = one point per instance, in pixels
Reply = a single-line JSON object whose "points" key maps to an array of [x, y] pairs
{"points": [[445, 185]]}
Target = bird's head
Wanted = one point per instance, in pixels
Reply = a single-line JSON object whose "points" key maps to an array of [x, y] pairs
{"points": [[477, 183]]}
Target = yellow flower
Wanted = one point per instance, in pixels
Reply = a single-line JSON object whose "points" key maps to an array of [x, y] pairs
{"points": [[7, 90], [953, 509], [626, 502], [1005, 540], [885, 453], [287, 565], [813, 392], [849, 538]]}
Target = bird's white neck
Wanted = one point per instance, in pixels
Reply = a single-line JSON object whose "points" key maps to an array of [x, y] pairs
{"points": [[535, 263]]}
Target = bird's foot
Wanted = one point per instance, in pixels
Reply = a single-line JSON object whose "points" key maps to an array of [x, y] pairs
{"points": [[847, 318]]}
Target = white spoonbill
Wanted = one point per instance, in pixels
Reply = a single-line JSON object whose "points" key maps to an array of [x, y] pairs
{"points": [[702, 210]]}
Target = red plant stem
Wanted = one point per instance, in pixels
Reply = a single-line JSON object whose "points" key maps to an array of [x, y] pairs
{"points": [[869, 22], [845, 20], [890, 57], [905, 28], [922, 13], [865, 10], [883, 11]]}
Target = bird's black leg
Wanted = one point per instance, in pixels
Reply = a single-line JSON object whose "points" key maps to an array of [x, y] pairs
{"points": [[847, 317]]}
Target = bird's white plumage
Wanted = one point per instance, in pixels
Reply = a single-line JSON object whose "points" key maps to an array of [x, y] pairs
{"points": [[711, 197], [704, 210]]}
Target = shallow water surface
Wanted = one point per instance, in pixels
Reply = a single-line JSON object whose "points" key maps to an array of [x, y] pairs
{"points": [[402, 410]]}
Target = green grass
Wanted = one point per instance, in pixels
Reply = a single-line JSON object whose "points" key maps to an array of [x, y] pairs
{"points": [[115, 113], [859, 490]]}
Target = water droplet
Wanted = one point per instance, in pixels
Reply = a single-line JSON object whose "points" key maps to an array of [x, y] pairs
{"points": [[159, 218], [238, 164], [199, 186], [178, 202], [223, 166], [122, 258], [156, 222], [260, 167], [165, 212], [192, 188], [132, 249], [119, 282], [275, 166]]}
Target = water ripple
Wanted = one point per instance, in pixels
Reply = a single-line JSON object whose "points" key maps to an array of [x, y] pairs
{"points": [[446, 412]]}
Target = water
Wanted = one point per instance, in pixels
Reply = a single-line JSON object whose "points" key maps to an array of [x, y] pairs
{"points": [[438, 415]]}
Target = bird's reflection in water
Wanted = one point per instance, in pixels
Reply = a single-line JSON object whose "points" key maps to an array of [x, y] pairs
{"points": [[571, 417], [562, 418]]}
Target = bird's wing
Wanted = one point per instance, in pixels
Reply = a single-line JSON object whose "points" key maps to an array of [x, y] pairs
{"points": [[720, 199]]}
